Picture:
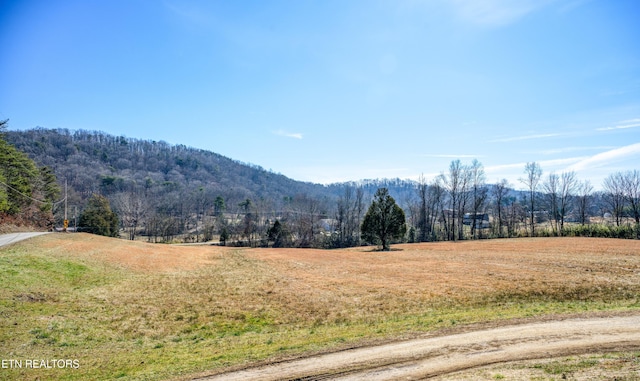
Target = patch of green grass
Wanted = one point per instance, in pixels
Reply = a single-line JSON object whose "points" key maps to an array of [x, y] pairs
{"points": [[20, 270], [619, 366], [567, 366]]}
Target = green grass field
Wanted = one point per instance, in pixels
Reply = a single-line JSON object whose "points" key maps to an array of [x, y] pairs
{"points": [[65, 297]]}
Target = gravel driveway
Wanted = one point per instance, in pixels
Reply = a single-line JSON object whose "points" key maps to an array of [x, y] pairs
{"points": [[7, 239], [433, 356]]}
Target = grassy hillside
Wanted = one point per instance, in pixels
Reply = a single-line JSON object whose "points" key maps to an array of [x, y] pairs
{"points": [[138, 311]]}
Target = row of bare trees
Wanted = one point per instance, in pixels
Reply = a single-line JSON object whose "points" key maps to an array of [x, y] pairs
{"points": [[459, 204], [201, 216], [456, 205], [442, 204], [622, 191]]}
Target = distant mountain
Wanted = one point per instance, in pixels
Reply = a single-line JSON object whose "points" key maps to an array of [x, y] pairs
{"points": [[96, 162]]}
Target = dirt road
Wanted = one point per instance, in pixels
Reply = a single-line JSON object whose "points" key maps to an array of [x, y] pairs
{"points": [[432, 356]]}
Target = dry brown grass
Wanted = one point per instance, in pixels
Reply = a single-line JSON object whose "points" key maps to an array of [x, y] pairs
{"points": [[163, 310], [417, 275], [134, 255]]}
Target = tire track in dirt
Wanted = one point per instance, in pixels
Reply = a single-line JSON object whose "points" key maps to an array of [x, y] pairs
{"points": [[433, 356]]}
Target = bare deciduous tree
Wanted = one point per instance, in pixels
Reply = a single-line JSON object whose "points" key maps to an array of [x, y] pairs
{"points": [[453, 184], [348, 217], [516, 216], [614, 195], [533, 173], [551, 188], [632, 192], [422, 213], [499, 193], [131, 207], [479, 193], [583, 200], [568, 187]]}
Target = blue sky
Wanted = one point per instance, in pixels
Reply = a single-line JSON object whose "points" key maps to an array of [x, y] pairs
{"points": [[327, 91]]}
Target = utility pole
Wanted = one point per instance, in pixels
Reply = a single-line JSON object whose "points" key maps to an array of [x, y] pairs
{"points": [[66, 221]]}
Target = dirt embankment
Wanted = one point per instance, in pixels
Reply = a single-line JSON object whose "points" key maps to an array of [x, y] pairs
{"points": [[432, 356]]}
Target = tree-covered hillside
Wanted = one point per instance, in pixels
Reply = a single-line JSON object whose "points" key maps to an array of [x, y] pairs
{"points": [[170, 189], [96, 162], [27, 192]]}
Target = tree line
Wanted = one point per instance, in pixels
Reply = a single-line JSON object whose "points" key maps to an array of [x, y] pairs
{"points": [[165, 193], [459, 204], [456, 205]]}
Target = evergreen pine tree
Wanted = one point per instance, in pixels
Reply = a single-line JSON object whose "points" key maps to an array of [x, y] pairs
{"points": [[384, 221]]}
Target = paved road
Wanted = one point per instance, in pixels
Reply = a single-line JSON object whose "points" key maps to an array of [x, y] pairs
{"points": [[7, 239], [433, 356]]}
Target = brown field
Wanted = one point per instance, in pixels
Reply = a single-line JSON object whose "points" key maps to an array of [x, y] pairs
{"points": [[417, 276], [163, 311], [133, 255], [361, 281]]}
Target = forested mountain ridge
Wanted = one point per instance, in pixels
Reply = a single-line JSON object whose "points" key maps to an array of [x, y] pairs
{"points": [[96, 162]]}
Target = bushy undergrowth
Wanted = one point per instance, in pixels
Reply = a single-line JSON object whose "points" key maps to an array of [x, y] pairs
{"points": [[625, 231], [603, 231]]}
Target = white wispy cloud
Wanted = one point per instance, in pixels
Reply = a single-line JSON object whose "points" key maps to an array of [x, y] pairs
{"points": [[607, 157], [524, 137], [495, 13], [545, 164], [194, 16], [452, 156], [571, 149], [294, 135], [571, 5], [513, 172], [631, 123]]}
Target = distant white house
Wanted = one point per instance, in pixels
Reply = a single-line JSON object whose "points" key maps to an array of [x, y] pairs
{"points": [[327, 225]]}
